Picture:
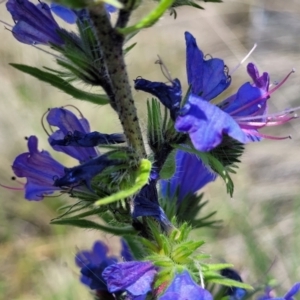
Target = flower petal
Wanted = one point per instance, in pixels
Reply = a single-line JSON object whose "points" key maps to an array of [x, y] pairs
{"points": [[190, 176], [134, 277], [207, 77], [66, 14], [169, 96], [39, 168], [183, 287], [67, 123], [206, 124], [34, 23]]}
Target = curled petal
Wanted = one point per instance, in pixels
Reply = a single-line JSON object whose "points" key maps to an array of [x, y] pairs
{"points": [[206, 124], [169, 96]]}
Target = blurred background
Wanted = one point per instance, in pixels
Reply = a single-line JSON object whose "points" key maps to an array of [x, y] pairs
{"points": [[261, 224]]}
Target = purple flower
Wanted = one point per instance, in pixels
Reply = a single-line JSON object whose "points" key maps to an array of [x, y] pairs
{"points": [[239, 116], [134, 277], [39, 168], [183, 287], [67, 122], [190, 176], [92, 264], [45, 175], [288, 296], [34, 24]]}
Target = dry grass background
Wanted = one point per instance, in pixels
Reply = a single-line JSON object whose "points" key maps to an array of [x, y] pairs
{"points": [[261, 224]]}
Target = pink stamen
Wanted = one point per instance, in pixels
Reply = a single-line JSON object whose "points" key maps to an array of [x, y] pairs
{"points": [[265, 95], [270, 137], [12, 188], [270, 116]]}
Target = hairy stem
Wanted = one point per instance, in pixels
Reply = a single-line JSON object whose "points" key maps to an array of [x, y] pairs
{"points": [[112, 47]]}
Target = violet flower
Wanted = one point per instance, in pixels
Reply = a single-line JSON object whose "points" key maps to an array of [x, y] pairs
{"points": [[92, 264], [44, 175], [183, 287], [239, 116], [67, 122], [39, 168], [34, 24], [190, 176]]}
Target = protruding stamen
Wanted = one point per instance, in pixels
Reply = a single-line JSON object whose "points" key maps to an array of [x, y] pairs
{"points": [[243, 60], [42, 121], [12, 188], [164, 69], [70, 105], [281, 82], [282, 114], [270, 137], [5, 23]]}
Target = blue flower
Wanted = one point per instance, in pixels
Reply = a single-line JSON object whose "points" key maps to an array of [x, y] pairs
{"points": [[288, 296], [39, 168], [239, 116], [145, 204], [34, 24], [135, 277], [45, 175], [189, 177], [92, 264], [67, 122], [183, 287]]}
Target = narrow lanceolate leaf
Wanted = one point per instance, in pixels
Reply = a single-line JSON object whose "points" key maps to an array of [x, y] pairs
{"points": [[62, 84], [150, 19], [141, 178], [92, 225]]}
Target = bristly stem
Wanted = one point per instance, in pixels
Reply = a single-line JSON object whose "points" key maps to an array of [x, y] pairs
{"points": [[112, 48]]}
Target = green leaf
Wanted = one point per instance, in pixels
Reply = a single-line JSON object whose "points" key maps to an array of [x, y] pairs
{"points": [[92, 225], [150, 19], [169, 167], [141, 178], [62, 84], [229, 282], [127, 49]]}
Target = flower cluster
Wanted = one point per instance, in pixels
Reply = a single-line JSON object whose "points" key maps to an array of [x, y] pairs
{"points": [[149, 198]]}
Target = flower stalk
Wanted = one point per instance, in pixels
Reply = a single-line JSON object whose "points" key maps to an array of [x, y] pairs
{"points": [[112, 47]]}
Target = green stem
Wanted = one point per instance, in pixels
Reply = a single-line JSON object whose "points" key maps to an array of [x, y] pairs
{"points": [[112, 48]]}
